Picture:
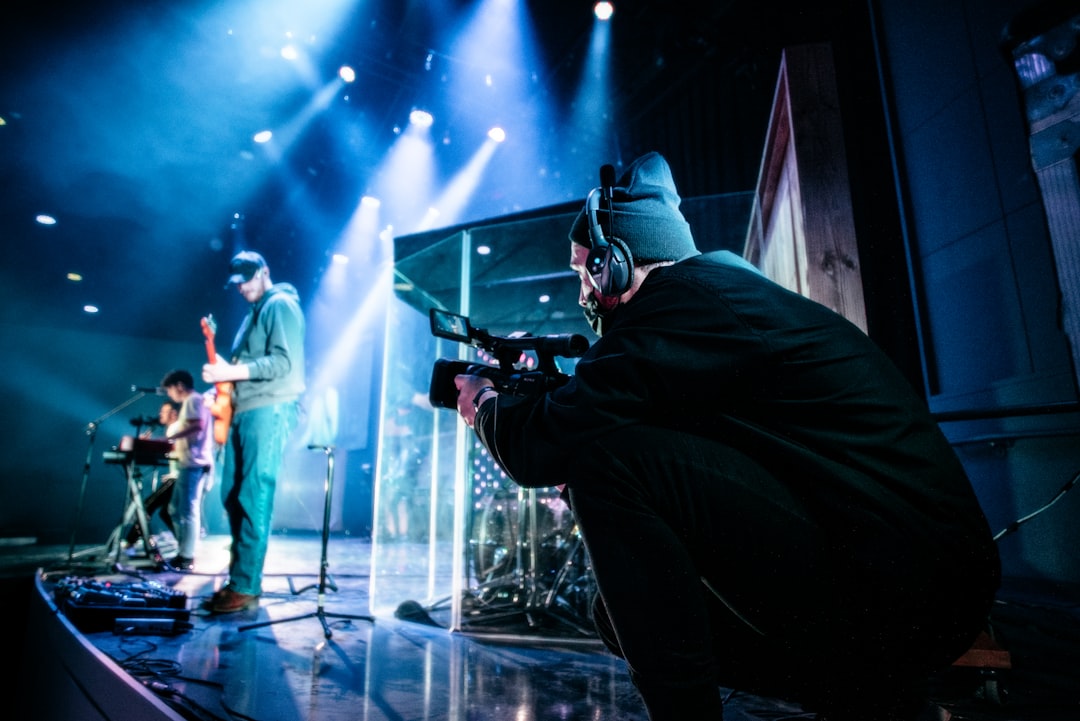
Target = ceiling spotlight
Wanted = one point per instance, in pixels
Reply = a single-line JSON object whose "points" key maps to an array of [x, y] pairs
{"points": [[263, 136], [497, 134], [603, 10], [421, 118], [347, 74], [45, 219], [289, 52]]}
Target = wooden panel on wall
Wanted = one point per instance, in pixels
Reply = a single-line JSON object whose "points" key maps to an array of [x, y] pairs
{"points": [[802, 229], [1039, 41]]}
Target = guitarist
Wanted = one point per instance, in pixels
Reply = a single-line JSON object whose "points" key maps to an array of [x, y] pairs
{"points": [[267, 373]]}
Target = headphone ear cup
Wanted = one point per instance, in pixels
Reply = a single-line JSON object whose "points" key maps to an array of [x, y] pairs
{"points": [[597, 260], [611, 266]]}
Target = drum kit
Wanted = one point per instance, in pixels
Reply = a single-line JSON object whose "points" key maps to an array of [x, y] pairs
{"points": [[529, 573]]}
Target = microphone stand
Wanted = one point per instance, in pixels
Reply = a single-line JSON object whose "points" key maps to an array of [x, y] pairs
{"points": [[91, 433], [324, 578]]}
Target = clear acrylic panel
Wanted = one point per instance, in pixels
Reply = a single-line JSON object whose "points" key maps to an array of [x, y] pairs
{"points": [[455, 541]]}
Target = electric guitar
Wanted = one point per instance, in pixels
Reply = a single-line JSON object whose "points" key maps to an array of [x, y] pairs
{"points": [[222, 408]]}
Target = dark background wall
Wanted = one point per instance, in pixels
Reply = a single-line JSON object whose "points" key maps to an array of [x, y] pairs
{"points": [[987, 300]]}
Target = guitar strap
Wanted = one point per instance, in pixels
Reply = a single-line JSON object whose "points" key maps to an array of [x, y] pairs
{"points": [[242, 340]]}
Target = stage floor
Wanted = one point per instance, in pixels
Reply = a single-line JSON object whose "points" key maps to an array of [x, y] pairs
{"points": [[276, 661]]}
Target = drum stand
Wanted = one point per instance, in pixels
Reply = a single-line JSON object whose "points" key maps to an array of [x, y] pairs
{"points": [[517, 598], [324, 577]]}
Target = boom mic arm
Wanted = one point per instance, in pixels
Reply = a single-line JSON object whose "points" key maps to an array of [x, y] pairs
{"points": [[607, 193], [607, 180]]}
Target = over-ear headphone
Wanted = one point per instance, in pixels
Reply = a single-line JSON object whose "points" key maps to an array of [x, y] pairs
{"points": [[609, 263]]}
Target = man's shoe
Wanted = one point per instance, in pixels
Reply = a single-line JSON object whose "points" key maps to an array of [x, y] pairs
{"points": [[207, 604], [182, 563], [229, 601]]}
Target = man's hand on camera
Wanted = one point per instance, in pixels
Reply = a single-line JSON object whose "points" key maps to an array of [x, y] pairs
{"points": [[469, 395]]}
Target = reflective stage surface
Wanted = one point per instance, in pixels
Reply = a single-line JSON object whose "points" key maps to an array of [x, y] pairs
{"points": [[279, 661]]}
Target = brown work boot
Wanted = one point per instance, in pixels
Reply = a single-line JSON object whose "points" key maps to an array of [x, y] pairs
{"points": [[229, 601]]}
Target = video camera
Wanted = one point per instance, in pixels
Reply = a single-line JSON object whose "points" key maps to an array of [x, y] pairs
{"points": [[508, 376]]}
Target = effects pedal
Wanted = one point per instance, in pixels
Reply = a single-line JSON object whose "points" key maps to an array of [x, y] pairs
{"points": [[94, 605]]}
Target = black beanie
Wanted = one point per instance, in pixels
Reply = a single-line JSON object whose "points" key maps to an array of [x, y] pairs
{"points": [[645, 206]]}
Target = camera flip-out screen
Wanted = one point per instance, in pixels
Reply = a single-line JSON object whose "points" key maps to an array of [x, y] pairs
{"points": [[451, 326]]}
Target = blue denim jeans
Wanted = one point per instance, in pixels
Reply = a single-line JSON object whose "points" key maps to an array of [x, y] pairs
{"points": [[185, 508], [254, 454]]}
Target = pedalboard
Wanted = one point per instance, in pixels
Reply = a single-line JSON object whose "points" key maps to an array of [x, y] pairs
{"points": [[93, 604]]}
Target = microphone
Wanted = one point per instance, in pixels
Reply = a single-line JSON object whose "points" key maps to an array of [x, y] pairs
{"points": [[607, 180], [152, 390], [607, 192]]}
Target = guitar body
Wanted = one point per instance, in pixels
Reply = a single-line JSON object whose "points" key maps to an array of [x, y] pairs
{"points": [[222, 407], [222, 411]]}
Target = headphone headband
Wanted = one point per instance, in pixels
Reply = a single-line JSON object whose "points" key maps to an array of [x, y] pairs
{"points": [[609, 263]]}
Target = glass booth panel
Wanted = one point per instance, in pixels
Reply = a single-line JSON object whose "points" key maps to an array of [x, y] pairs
{"points": [[454, 539], [453, 535], [417, 494]]}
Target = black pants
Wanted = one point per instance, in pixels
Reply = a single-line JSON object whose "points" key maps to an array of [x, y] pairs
{"points": [[713, 572]]}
